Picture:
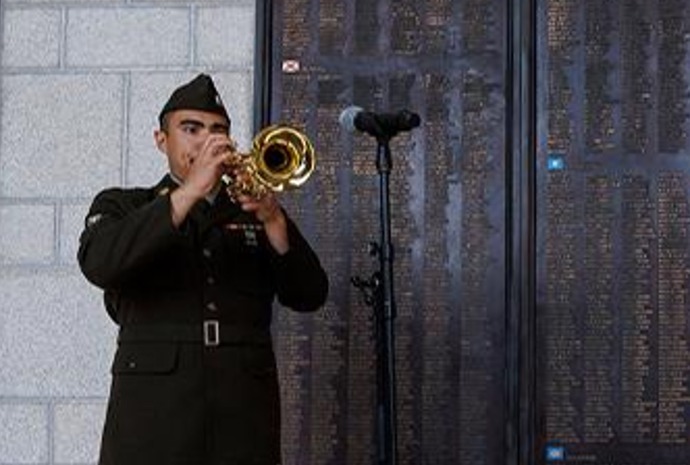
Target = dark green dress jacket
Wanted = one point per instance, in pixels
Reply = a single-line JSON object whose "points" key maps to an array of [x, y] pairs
{"points": [[194, 378]]}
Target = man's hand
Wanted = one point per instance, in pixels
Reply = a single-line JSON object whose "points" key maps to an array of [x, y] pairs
{"points": [[268, 211], [205, 169], [208, 165]]}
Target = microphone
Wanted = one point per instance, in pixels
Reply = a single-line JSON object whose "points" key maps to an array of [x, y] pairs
{"points": [[379, 125]]}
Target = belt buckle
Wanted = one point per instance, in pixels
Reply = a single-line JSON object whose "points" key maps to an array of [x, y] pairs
{"points": [[211, 333]]}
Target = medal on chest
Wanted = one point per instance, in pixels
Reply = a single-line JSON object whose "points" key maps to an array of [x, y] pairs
{"points": [[249, 232]]}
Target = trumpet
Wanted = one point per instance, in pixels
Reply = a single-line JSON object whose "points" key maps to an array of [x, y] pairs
{"points": [[281, 158]]}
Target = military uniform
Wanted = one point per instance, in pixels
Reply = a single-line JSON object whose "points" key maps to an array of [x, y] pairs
{"points": [[194, 380]]}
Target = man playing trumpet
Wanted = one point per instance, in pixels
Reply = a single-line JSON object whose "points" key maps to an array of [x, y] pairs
{"points": [[189, 275]]}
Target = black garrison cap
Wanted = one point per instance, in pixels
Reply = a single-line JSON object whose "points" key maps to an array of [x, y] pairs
{"points": [[198, 94]]}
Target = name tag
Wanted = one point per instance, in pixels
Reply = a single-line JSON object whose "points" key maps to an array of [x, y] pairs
{"points": [[248, 230]]}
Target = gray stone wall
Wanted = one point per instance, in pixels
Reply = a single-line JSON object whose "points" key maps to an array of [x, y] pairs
{"points": [[81, 85]]}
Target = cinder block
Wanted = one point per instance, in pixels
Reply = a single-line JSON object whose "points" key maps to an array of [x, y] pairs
{"points": [[70, 2], [225, 35], [78, 426], [127, 37], [23, 433], [149, 92], [56, 337], [72, 224], [248, 3], [60, 134], [31, 37], [27, 234], [237, 92]]}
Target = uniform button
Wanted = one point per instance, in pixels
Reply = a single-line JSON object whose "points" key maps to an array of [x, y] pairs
{"points": [[207, 253], [212, 306], [132, 364], [210, 280]]}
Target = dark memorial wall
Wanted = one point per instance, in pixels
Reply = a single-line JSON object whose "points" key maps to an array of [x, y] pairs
{"points": [[444, 60], [613, 262], [609, 252]]}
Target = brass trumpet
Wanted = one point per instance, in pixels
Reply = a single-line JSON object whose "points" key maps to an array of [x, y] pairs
{"points": [[281, 158]]}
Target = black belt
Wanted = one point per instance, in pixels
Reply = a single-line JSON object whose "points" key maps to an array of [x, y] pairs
{"points": [[210, 332]]}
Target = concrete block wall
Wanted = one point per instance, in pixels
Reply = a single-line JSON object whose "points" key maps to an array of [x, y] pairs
{"points": [[81, 85]]}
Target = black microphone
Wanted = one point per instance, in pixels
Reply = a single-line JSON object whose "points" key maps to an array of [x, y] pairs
{"points": [[379, 125]]}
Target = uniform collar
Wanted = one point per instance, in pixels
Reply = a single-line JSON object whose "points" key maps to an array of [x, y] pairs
{"points": [[221, 210], [165, 185], [171, 182]]}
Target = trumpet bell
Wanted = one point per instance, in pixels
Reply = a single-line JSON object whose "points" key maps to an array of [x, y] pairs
{"points": [[281, 158]]}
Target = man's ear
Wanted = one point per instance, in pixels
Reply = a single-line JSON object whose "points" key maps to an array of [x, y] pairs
{"points": [[161, 139]]}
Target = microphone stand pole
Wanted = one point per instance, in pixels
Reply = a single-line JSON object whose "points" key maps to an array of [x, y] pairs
{"points": [[379, 294], [385, 316]]}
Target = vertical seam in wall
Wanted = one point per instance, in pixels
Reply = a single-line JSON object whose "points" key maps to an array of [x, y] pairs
{"points": [[192, 34], [50, 407], [2, 80], [124, 140], [57, 231], [62, 40]]}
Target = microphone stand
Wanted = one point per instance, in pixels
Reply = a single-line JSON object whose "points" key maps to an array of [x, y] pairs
{"points": [[378, 291]]}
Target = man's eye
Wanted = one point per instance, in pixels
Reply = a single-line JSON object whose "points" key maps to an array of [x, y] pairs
{"points": [[217, 130], [190, 129]]}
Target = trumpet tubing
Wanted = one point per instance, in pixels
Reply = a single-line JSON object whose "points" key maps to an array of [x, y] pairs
{"points": [[281, 158]]}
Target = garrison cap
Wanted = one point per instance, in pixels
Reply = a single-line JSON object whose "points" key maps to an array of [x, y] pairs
{"points": [[198, 94]]}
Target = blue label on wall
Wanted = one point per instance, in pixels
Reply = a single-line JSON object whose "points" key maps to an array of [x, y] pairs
{"points": [[555, 453], [555, 162]]}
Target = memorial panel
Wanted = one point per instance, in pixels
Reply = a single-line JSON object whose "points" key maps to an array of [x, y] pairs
{"points": [[445, 60], [613, 262]]}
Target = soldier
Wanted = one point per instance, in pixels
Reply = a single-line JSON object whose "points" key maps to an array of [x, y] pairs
{"points": [[189, 276]]}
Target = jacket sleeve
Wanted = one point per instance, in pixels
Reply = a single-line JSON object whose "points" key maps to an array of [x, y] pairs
{"points": [[122, 235], [301, 282]]}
